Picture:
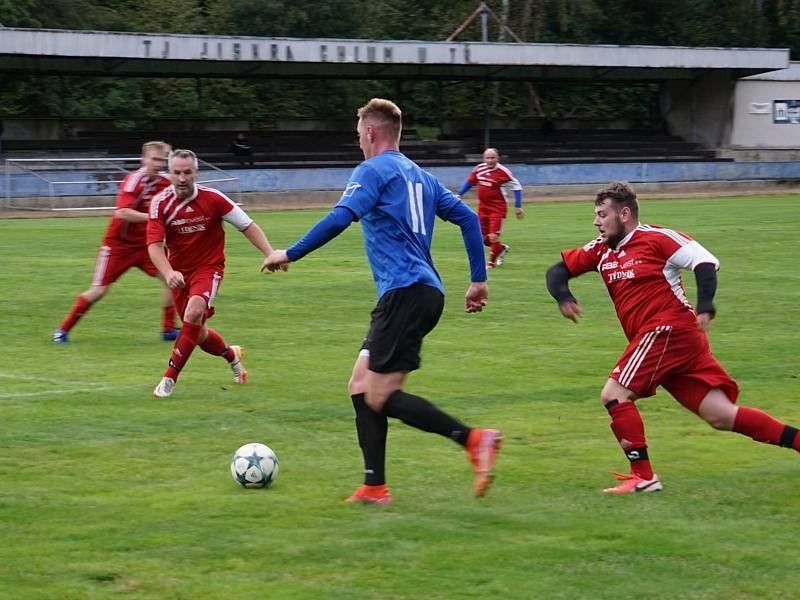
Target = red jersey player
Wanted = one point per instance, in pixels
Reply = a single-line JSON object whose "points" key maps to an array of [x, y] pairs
{"points": [[123, 245], [492, 178], [188, 217], [668, 346]]}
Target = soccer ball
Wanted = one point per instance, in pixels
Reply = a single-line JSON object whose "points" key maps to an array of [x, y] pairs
{"points": [[254, 465]]}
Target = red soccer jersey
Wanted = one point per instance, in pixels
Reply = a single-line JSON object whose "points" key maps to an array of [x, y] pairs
{"points": [[192, 228], [136, 191], [642, 275], [491, 182]]}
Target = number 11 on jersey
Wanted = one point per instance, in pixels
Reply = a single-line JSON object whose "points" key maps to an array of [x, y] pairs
{"points": [[415, 204]]}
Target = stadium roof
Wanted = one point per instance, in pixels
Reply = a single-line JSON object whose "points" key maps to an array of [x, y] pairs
{"points": [[105, 53]]}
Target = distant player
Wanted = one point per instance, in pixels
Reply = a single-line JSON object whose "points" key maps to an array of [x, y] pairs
{"points": [[668, 344], [492, 179], [188, 217], [397, 203], [123, 245]]}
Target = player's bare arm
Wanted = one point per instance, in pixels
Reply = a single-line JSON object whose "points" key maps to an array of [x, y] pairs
{"points": [[277, 260], [477, 296], [130, 215], [173, 279], [256, 236]]}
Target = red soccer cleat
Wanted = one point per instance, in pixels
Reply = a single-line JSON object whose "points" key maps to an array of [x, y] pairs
{"points": [[633, 484], [482, 447], [371, 494]]}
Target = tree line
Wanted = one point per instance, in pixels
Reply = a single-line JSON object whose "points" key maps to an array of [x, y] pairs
{"points": [[701, 23]]}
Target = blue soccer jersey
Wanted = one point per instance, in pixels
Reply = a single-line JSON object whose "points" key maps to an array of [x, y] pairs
{"points": [[397, 202]]}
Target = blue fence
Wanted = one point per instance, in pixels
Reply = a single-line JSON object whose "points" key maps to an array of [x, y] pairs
{"points": [[273, 180]]}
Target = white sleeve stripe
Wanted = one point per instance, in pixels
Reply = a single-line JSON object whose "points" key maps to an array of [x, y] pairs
{"points": [[133, 180], [505, 170], [216, 192], [156, 203], [670, 233]]}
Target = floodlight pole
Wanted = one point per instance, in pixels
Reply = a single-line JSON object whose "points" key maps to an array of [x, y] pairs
{"points": [[487, 118], [484, 12]]}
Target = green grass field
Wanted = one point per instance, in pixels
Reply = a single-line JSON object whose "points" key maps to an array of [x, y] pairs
{"points": [[107, 492]]}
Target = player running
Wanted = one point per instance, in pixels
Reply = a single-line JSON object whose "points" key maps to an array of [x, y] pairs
{"points": [[188, 217], [492, 179], [668, 344], [397, 203], [123, 246]]}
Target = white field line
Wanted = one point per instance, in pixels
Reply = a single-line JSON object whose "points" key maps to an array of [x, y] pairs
{"points": [[42, 379], [59, 382], [54, 392]]}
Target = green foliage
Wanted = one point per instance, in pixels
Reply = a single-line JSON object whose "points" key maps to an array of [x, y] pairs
{"points": [[730, 23], [106, 491]]}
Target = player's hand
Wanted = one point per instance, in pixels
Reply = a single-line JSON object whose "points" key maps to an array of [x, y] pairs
{"points": [[477, 297], [520, 213], [174, 280], [276, 261], [571, 310], [704, 321]]}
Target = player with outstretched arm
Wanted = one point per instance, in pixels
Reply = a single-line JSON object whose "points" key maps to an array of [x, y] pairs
{"points": [[667, 338], [397, 203], [188, 218], [492, 179]]}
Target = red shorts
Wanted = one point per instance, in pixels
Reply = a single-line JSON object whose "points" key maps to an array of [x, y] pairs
{"points": [[113, 261], [203, 282], [491, 222], [680, 360]]}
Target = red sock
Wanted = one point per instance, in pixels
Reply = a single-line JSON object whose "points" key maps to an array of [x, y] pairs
{"points": [[214, 344], [628, 427], [183, 348], [80, 308], [168, 318], [497, 248], [762, 428]]}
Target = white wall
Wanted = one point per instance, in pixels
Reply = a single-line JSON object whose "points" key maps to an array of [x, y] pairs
{"points": [[753, 126]]}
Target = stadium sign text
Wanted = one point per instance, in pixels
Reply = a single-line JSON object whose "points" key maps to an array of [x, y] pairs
{"points": [[249, 50]]}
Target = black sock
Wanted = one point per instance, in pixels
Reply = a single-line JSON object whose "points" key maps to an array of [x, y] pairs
{"points": [[371, 428], [418, 412]]}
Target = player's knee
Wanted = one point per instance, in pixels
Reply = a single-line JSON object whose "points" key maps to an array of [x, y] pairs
{"points": [[375, 399], [487, 240], [721, 422], [355, 385], [607, 397], [493, 238], [193, 315], [94, 293]]}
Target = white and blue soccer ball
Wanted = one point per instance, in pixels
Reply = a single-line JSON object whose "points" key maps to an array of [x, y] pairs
{"points": [[254, 465]]}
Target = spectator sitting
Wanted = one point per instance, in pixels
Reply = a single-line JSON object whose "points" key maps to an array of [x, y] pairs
{"points": [[242, 150]]}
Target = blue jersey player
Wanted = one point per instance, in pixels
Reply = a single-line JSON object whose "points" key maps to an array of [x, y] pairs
{"points": [[397, 203]]}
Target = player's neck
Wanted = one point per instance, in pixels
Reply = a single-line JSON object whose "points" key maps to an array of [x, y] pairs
{"points": [[380, 146]]}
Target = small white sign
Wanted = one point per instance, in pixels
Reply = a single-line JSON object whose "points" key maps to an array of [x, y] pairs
{"points": [[760, 108]]}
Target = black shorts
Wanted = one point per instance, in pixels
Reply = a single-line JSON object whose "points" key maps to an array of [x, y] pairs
{"points": [[399, 322]]}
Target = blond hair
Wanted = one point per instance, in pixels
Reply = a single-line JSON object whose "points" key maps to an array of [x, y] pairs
{"points": [[383, 113], [163, 147]]}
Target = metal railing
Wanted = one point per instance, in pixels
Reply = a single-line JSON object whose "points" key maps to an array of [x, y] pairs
{"points": [[51, 172]]}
